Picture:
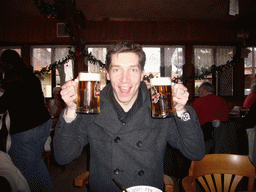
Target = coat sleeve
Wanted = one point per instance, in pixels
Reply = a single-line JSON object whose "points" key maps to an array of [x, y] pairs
{"points": [[69, 139], [187, 136], [249, 120]]}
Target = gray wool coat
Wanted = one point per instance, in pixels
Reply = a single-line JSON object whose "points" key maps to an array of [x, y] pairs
{"points": [[133, 152]]}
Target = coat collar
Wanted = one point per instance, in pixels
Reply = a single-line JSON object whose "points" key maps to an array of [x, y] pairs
{"points": [[108, 118]]}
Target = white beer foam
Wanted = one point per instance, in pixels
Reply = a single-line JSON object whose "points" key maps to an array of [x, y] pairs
{"points": [[161, 81], [83, 76]]}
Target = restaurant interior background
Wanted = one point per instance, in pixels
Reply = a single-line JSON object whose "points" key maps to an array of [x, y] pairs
{"points": [[189, 40]]}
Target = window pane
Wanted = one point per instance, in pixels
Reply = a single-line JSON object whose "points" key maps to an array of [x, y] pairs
{"points": [[41, 58], [203, 61], [224, 83], [64, 71], [248, 61], [249, 70], [100, 54], [152, 64], [224, 55], [173, 61], [204, 58]]}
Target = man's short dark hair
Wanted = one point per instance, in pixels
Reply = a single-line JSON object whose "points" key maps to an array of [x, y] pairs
{"points": [[123, 47]]}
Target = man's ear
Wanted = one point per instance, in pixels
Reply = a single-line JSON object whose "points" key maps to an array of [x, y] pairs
{"points": [[108, 77], [142, 75]]}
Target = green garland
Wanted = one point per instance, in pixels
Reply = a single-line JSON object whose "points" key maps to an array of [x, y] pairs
{"points": [[71, 55], [205, 72], [93, 60]]}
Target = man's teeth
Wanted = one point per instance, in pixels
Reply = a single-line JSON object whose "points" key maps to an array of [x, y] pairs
{"points": [[125, 87]]}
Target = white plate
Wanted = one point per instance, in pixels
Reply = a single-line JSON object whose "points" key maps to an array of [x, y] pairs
{"points": [[143, 188]]}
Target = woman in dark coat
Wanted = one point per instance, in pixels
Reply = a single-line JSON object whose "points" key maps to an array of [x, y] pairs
{"points": [[29, 117]]}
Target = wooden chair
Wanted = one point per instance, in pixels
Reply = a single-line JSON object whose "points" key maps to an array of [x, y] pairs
{"points": [[83, 179], [217, 172]]}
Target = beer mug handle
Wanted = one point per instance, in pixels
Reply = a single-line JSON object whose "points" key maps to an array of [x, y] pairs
{"points": [[97, 89]]}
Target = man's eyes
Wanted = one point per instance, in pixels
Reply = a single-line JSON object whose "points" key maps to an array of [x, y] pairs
{"points": [[132, 69], [115, 70]]}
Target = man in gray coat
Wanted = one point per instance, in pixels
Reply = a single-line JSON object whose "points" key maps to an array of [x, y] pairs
{"points": [[126, 143]]}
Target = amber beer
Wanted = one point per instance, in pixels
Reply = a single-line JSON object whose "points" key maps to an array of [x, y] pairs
{"points": [[161, 97], [88, 99]]}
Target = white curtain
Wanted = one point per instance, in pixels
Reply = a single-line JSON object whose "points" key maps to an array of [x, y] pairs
{"points": [[233, 7]]}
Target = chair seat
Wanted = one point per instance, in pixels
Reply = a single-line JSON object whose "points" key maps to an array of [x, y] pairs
{"points": [[82, 179]]}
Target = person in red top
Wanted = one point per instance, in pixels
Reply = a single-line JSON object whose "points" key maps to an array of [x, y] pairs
{"points": [[211, 110], [251, 98], [210, 107]]}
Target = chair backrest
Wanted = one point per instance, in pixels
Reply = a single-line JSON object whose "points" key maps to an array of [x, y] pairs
{"points": [[217, 172]]}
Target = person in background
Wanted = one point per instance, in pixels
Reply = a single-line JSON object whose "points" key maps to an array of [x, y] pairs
{"points": [[251, 98], [56, 105], [29, 117], [5, 138], [249, 123], [210, 107], [126, 143], [11, 179], [211, 110]]}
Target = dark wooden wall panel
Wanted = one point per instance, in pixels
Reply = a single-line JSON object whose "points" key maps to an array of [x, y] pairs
{"points": [[43, 31]]}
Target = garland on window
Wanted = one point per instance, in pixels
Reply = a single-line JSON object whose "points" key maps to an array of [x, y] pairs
{"points": [[93, 60], [205, 72], [71, 55]]}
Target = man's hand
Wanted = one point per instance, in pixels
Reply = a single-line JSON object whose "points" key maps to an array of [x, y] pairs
{"points": [[180, 98], [69, 96]]}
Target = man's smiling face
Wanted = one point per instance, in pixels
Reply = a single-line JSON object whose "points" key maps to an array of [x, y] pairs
{"points": [[125, 75]]}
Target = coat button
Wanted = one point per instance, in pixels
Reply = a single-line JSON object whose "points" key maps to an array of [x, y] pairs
{"points": [[141, 172], [117, 139], [139, 144], [116, 171]]}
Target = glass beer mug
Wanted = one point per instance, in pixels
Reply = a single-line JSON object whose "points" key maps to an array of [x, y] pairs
{"points": [[161, 97], [88, 99]]}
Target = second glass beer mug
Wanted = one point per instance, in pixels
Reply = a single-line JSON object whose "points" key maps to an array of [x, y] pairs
{"points": [[161, 97], [88, 99]]}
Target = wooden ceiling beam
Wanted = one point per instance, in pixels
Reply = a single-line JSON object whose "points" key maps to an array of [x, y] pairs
{"points": [[72, 18]]}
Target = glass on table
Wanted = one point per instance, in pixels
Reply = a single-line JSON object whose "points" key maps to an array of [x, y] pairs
{"points": [[243, 111]]}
